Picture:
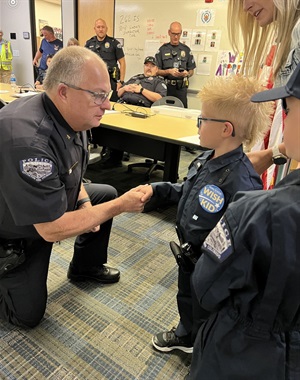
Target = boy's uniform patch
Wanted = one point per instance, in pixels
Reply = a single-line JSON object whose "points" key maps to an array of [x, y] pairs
{"points": [[211, 198], [37, 168], [218, 243]]}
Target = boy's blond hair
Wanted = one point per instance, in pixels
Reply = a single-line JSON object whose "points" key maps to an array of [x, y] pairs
{"points": [[230, 97]]}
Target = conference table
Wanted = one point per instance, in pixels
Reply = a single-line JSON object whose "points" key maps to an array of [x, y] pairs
{"points": [[158, 136], [6, 92]]}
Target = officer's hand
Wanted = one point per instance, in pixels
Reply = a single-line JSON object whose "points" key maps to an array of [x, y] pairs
{"points": [[174, 72], [132, 202], [147, 190]]}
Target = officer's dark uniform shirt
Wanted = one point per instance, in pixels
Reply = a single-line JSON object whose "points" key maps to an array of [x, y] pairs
{"points": [[179, 56], [155, 84], [248, 278], [209, 187], [110, 50], [42, 161]]}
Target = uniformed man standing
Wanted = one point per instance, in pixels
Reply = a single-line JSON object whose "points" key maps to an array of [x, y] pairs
{"points": [[5, 59], [111, 51], [44, 154], [176, 64], [144, 89]]}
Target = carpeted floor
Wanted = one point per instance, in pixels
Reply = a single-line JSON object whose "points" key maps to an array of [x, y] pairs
{"points": [[104, 332]]}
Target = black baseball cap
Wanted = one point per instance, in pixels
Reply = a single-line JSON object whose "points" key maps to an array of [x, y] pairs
{"points": [[292, 88], [151, 60]]}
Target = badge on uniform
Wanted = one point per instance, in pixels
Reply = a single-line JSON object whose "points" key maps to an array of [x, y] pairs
{"points": [[182, 53], [218, 243], [107, 45], [211, 198], [37, 168]]}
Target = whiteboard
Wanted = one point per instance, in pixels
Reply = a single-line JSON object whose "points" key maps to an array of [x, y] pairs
{"points": [[144, 24]]}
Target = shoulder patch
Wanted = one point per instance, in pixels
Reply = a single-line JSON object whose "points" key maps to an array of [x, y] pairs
{"points": [[218, 243], [119, 46], [37, 168], [211, 198]]}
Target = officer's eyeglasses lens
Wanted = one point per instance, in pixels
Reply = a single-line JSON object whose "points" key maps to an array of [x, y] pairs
{"points": [[100, 97]]}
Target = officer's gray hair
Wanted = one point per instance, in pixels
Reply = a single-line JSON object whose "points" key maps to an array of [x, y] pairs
{"points": [[68, 66]]}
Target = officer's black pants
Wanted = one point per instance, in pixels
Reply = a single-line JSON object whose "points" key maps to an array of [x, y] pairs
{"points": [[23, 291], [178, 93]]}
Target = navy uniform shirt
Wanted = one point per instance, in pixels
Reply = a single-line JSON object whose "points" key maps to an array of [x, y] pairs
{"points": [[42, 161], [248, 278], [209, 187], [155, 84], [110, 49], [179, 56]]}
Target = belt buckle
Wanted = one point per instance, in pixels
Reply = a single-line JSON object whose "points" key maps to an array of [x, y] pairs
{"points": [[173, 82]]}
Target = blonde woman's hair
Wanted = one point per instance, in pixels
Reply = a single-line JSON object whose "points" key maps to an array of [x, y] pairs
{"points": [[256, 40], [73, 42], [230, 97], [67, 66]]}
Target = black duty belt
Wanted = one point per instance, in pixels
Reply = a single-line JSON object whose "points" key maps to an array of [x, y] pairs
{"points": [[177, 82]]}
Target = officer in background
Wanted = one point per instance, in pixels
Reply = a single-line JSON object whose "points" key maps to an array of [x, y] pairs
{"points": [[176, 64], [5, 59], [144, 89], [111, 51]]}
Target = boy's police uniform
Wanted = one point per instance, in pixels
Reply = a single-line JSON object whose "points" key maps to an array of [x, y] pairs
{"points": [[47, 159], [179, 56], [155, 84], [110, 50], [202, 200], [248, 280]]}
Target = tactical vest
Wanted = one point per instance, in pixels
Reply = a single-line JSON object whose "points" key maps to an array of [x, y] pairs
{"points": [[6, 56]]}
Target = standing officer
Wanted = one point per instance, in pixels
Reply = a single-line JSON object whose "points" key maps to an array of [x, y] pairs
{"points": [[111, 51], [43, 153], [5, 59], [176, 63], [248, 277], [144, 89]]}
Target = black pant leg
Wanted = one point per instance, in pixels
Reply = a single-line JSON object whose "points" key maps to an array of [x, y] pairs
{"points": [[23, 291], [178, 93], [90, 249], [184, 304]]}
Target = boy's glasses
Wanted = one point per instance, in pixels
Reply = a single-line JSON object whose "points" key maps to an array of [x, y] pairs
{"points": [[99, 97], [200, 119]]}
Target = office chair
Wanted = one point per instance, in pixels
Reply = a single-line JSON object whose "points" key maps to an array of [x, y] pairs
{"points": [[154, 164], [2, 103]]}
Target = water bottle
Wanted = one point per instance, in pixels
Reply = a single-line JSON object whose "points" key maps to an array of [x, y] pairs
{"points": [[13, 81]]}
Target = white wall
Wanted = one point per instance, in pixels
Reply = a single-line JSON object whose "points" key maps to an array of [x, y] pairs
{"points": [[15, 18]]}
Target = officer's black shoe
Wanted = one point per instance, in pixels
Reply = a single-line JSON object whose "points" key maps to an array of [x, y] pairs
{"points": [[167, 341], [109, 163], [103, 274], [190, 150]]}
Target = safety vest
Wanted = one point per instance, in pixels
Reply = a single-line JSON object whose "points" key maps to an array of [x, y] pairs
{"points": [[6, 56]]}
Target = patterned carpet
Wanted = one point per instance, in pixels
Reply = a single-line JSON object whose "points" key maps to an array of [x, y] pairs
{"points": [[104, 332]]}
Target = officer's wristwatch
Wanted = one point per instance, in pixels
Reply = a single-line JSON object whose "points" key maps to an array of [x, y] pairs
{"points": [[277, 157], [141, 90], [120, 81]]}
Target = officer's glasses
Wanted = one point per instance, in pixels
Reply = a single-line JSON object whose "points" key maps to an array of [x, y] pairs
{"points": [[200, 119], [98, 97]]}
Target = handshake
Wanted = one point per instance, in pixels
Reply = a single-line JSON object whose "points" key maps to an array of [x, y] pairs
{"points": [[135, 199]]}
